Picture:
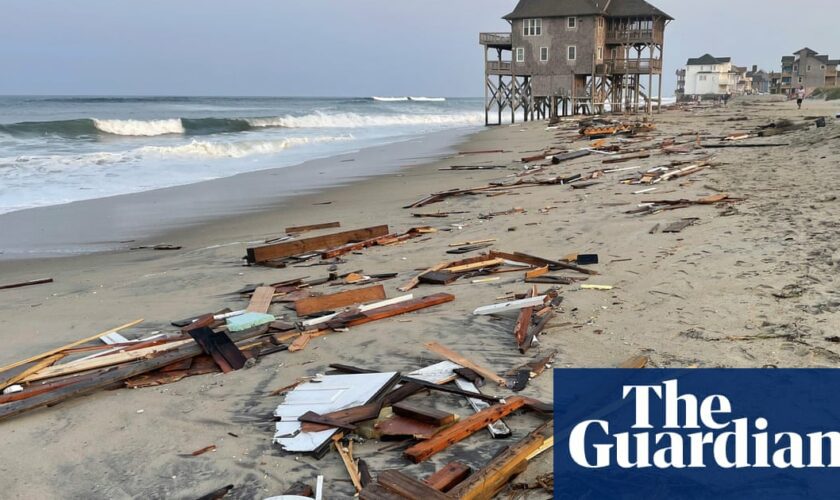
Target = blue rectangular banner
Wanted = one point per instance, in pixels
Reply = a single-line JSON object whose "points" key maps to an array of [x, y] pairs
{"points": [[674, 434]]}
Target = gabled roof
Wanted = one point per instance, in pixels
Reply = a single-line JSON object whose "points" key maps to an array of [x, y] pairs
{"points": [[807, 50], [563, 8], [707, 59]]}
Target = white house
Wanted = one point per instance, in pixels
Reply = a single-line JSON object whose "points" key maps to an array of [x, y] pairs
{"points": [[710, 75]]}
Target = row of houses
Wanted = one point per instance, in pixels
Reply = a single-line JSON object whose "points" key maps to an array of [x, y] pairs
{"points": [[717, 76]]}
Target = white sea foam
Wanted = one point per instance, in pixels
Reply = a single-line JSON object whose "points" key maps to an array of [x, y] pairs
{"points": [[238, 149], [353, 120], [390, 99], [145, 128]]}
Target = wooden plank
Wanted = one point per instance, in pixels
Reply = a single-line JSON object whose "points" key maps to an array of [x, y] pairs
{"points": [[413, 282], [423, 414], [331, 253], [539, 262], [463, 429], [447, 477], [536, 273], [103, 361], [313, 305], [439, 277], [314, 418], [401, 484], [523, 322], [349, 464], [220, 347], [69, 346], [300, 342], [26, 283], [40, 365], [290, 248], [261, 299], [488, 481], [348, 415], [397, 309], [111, 376], [475, 266], [376, 491], [398, 426], [513, 305], [466, 363], [312, 227]]}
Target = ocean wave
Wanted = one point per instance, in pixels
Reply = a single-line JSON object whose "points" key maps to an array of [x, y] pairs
{"points": [[354, 120], [238, 149], [92, 127], [142, 128]]}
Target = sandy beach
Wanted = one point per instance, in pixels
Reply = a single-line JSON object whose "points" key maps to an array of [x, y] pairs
{"points": [[749, 284]]}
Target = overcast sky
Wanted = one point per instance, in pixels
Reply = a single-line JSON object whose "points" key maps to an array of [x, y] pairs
{"points": [[337, 47]]}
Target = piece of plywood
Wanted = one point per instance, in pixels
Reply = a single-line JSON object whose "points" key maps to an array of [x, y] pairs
{"points": [[324, 395], [463, 429], [313, 305], [287, 249], [261, 299], [464, 362]]}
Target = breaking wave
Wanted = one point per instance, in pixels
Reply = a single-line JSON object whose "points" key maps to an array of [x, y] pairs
{"points": [[91, 127]]}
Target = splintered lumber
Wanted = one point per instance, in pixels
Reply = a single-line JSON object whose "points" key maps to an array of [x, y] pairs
{"points": [[453, 356], [413, 282], [468, 243], [475, 266], [313, 305], [396, 309], [497, 429], [523, 323], [300, 342], [69, 346], [536, 273], [570, 156], [113, 375], [265, 253], [312, 227], [220, 347], [408, 487], [423, 414], [378, 240], [26, 283], [261, 299], [447, 477], [367, 307], [485, 483], [540, 262], [350, 464], [463, 429], [40, 365]]}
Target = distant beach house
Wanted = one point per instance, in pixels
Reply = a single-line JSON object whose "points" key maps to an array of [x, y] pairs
{"points": [[809, 69], [760, 80], [569, 56], [712, 76]]}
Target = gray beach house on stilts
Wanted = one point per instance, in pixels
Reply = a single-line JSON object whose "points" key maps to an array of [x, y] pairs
{"points": [[566, 57]]}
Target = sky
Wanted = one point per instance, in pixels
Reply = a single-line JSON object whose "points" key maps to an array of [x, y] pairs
{"points": [[338, 47]]}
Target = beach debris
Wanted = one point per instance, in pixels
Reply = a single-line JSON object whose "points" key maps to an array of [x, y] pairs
{"points": [[26, 283], [273, 252], [602, 288], [448, 476], [314, 305], [161, 246], [678, 226], [454, 357], [204, 450], [636, 362]]}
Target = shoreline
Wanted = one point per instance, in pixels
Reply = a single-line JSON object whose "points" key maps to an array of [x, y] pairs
{"points": [[117, 223], [748, 284]]}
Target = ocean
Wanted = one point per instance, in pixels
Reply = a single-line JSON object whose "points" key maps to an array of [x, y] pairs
{"points": [[56, 150]]}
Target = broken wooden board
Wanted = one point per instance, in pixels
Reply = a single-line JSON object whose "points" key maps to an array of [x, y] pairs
{"points": [[628, 157], [540, 262], [265, 253], [464, 362], [367, 307], [261, 299], [311, 227], [523, 322], [218, 345], [513, 305], [325, 395], [408, 487], [475, 266], [448, 476], [313, 305], [488, 481], [394, 310], [398, 426], [556, 159], [462, 430]]}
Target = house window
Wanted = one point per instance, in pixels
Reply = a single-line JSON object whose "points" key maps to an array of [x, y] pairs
{"points": [[520, 54], [822, 66], [800, 79], [702, 78], [544, 54], [532, 27], [572, 23], [572, 52], [600, 53], [809, 68]]}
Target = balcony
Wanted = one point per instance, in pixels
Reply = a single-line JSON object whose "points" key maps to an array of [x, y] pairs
{"points": [[496, 40], [498, 67], [634, 36], [632, 66]]}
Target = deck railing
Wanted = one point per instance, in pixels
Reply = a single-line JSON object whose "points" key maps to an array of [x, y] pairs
{"points": [[623, 36], [495, 67], [633, 65], [494, 39]]}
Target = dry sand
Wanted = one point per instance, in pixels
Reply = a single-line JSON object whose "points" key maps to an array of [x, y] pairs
{"points": [[703, 297]]}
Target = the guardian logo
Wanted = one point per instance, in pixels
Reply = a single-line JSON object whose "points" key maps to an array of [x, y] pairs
{"points": [[693, 432], [696, 434]]}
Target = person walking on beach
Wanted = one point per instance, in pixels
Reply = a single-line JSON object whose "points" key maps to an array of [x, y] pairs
{"points": [[726, 98], [800, 96]]}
